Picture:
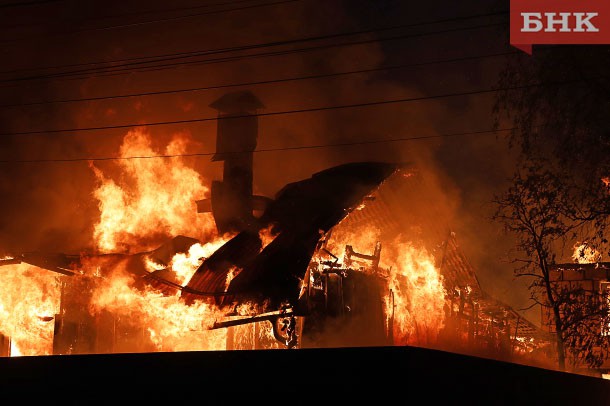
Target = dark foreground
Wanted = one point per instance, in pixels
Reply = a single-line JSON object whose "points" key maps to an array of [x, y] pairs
{"points": [[400, 375]]}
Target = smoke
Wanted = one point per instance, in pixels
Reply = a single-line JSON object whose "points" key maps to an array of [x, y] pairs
{"points": [[51, 206]]}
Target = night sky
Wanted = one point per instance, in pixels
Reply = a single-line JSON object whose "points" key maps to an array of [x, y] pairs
{"points": [[446, 54]]}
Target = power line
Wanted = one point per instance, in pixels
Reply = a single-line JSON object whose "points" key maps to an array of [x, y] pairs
{"points": [[265, 82], [299, 147], [181, 55], [63, 33], [100, 72], [273, 113]]}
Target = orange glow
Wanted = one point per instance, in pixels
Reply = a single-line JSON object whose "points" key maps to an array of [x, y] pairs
{"points": [[29, 300], [418, 294], [585, 254], [267, 235], [167, 321], [415, 288], [254, 336], [185, 265], [233, 272], [15, 351], [362, 240], [152, 199], [145, 202]]}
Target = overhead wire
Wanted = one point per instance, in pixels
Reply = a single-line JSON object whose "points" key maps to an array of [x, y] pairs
{"points": [[129, 63], [118, 70], [293, 148], [187, 54], [265, 82], [285, 112], [275, 113]]}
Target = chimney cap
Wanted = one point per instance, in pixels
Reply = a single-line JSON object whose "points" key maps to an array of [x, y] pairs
{"points": [[237, 102]]}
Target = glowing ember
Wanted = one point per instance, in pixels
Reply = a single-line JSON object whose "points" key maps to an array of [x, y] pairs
{"points": [[267, 235], [586, 254], [156, 197], [29, 300]]}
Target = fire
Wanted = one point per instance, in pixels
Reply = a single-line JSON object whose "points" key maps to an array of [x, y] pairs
{"points": [[169, 323], [233, 272], [254, 335], [144, 203], [29, 300], [267, 235], [362, 240], [586, 254], [416, 294], [155, 198], [15, 351], [185, 265]]}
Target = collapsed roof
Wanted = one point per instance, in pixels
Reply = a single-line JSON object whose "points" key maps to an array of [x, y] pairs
{"points": [[299, 215]]}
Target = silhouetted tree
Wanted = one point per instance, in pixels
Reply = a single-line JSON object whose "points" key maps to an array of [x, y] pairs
{"points": [[557, 106], [584, 319], [557, 103], [533, 209]]}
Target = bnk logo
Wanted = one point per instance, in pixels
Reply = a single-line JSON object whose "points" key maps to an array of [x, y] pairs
{"points": [[559, 22], [562, 22]]}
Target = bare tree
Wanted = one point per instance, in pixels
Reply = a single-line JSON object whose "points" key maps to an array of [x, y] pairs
{"points": [[557, 104], [537, 210], [584, 318]]}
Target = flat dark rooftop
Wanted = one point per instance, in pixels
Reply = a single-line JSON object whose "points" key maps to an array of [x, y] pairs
{"points": [[402, 373]]}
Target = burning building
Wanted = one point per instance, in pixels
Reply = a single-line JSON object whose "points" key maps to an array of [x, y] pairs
{"points": [[355, 255], [441, 301]]}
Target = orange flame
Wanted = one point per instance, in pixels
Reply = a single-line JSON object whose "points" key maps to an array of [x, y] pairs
{"points": [[586, 254], [170, 324], [418, 295], [29, 300], [185, 265], [267, 235], [415, 293], [150, 200], [156, 198]]}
